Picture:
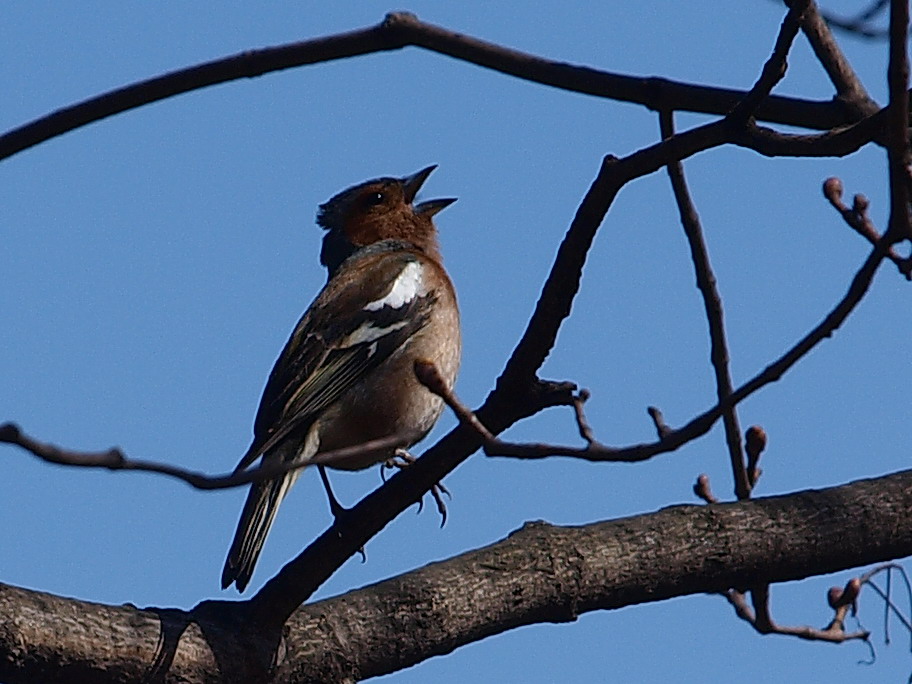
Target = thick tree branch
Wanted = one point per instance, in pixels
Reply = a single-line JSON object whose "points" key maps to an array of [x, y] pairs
{"points": [[541, 573]]}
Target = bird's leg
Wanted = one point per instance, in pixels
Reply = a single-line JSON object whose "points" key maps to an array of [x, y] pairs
{"points": [[403, 459], [337, 509]]}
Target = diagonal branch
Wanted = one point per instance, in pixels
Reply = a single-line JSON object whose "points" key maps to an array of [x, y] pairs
{"points": [[712, 304], [849, 88], [774, 68], [702, 423], [560, 288]]}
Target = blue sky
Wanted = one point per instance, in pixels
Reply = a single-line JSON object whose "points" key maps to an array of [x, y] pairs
{"points": [[156, 262]]}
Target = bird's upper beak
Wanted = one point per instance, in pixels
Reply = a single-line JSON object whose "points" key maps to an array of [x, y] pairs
{"points": [[412, 184]]}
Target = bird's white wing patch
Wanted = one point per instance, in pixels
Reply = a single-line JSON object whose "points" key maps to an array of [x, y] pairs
{"points": [[406, 287], [367, 332]]}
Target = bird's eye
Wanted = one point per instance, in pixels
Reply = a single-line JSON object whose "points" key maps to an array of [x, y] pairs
{"points": [[374, 198]]}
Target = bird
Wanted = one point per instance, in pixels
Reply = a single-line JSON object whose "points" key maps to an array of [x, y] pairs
{"points": [[346, 374]]}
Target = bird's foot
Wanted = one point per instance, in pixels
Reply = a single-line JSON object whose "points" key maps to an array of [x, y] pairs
{"points": [[403, 459]]}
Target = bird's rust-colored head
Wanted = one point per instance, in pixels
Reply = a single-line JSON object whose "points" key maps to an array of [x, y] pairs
{"points": [[379, 209]]}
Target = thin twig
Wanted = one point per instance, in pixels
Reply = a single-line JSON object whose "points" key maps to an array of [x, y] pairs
{"points": [[849, 88], [712, 305], [774, 68], [868, 579], [429, 376], [582, 423], [115, 459], [858, 220], [658, 420], [702, 423], [759, 618]]}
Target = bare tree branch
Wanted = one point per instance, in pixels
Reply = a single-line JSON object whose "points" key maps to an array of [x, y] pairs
{"points": [[115, 459], [774, 68], [839, 142], [858, 220], [848, 86], [900, 227], [759, 618], [712, 305], [541, 573], [402, 29], [702, 423], [674, 552]]}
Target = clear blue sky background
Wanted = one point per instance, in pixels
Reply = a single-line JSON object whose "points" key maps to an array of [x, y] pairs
{"points": [[155, 263]]}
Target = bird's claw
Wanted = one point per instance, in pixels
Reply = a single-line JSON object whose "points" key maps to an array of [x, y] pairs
{"points": [[403, 459]]}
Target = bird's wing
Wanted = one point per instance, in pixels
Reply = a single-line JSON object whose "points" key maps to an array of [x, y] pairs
{"points": [[370, 308]]}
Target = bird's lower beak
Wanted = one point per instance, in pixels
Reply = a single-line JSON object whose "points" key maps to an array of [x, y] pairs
{"points": [[432, 207], [412, 184]]}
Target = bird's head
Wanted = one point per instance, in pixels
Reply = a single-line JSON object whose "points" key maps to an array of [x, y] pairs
{"points": [[379, 209]]}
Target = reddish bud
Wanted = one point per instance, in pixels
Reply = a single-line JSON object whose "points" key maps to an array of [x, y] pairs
{"points": [[837, 598], [851, 591], [755, 443], [832, 189], [755, 440], [701, 489], [860, 203]]}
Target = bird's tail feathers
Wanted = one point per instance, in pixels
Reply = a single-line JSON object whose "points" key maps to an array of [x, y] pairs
{"points": [[256, 519]]}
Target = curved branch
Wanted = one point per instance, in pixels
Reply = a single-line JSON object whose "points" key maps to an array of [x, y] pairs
{"points": [[402, 29]]}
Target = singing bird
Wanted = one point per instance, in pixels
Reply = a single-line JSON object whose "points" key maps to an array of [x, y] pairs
{"points": [[346, 375]]}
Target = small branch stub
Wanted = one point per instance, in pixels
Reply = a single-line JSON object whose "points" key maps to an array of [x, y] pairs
{"points": [[702, 489], [754, 443]]}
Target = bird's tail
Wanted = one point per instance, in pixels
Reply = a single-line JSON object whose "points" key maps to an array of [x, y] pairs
{"points": [[256, 519]]}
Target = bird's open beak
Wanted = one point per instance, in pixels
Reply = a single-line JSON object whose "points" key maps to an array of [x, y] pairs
{"points": [[432, 207], [412, 184]]}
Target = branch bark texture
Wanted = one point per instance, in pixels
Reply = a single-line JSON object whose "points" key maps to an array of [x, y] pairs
{"points": [[541, 573]]}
